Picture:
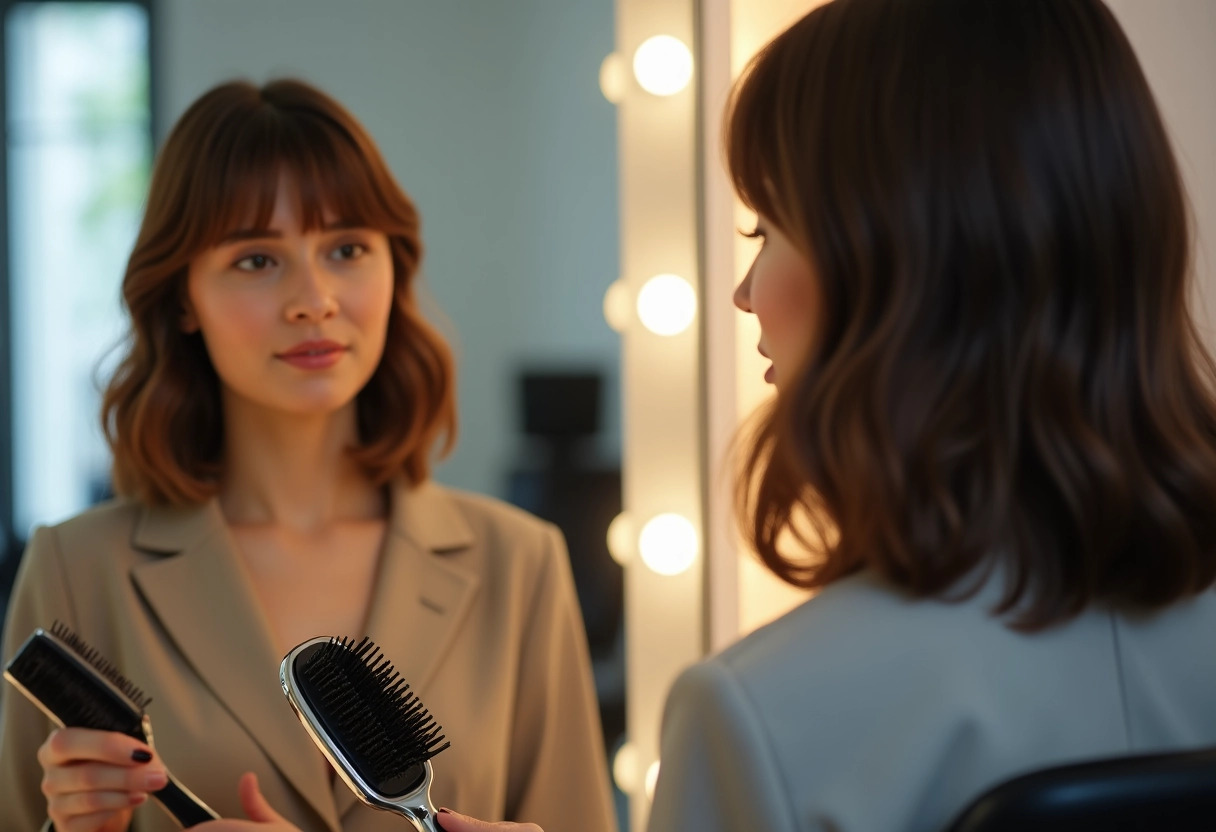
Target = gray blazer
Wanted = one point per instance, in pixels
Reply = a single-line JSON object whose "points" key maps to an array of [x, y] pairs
{"points": [[474, 605], [865, 711]]}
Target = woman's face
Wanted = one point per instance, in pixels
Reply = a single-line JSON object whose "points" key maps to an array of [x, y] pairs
{"points": [[294, 322], [780, 290]]}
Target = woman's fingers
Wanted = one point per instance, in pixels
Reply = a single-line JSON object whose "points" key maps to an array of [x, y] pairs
{"points": [[93, 779], [71, 745], [87, 803], [102, 777], [256, 807], [97, 822], [262, 817], [456, 822], [87, 808]]}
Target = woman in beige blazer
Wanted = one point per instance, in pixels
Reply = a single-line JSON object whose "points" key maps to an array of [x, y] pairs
{"points": [[993, 444], [272, 426]]}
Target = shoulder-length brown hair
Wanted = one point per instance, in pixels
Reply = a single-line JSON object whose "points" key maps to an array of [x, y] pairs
{"points": [[1005, 369], [220, 166]]}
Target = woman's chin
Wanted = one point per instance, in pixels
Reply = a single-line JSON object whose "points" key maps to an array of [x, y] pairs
{"points": [[313, 405]]}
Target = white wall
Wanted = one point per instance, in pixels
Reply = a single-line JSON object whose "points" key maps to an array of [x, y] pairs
{"points": [[490, 115], [1176, 43]]}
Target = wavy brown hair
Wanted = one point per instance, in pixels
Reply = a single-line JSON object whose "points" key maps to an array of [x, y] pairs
{"points": [[1005, 370], [219, 170]]}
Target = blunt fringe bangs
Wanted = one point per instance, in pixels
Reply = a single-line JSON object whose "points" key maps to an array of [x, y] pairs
{"points": [[219, 171], [1007, 375]]}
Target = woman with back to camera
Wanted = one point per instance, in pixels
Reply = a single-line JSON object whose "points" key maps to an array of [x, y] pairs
{"points": [[272, 425], [994, 424]]}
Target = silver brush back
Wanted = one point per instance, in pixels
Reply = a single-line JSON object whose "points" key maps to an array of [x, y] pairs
{"points": [[368, 724]]}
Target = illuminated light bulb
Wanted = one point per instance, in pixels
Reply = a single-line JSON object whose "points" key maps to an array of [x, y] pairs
{"points": [[668, 544], [667, 304], [625, 768], [652, 777], [613, 77], [620, 540], [616, 306], [663, 65]]}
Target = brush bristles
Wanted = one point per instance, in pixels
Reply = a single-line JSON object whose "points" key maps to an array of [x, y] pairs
{"points": [[63, 685], [139, 700], [370, 710]]}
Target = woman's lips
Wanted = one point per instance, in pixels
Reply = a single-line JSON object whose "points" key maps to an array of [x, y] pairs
{"points": [[769, 374], [313, 355]]}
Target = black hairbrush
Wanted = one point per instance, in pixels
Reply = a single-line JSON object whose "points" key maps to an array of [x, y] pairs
{"points": [[77, 688], [372, 729]]}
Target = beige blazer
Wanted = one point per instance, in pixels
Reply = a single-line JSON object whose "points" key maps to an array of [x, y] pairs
{"points": [[865, 711], [474, 605]]}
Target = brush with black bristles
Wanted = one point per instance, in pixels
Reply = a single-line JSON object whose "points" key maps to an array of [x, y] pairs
{"points": [[77, 687], [369, 725]]}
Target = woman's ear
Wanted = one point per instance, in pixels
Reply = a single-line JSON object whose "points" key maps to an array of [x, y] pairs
{"points": [[187, 322]]}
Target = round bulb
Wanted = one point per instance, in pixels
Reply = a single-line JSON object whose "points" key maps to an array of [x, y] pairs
{"points": [[668, 544], [613, 77], [625, 768], [663, 65], [652, 778], [620, 540], [616, 306], [667, 304]]}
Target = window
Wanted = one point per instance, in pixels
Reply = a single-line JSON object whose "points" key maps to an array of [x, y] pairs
{"points": [[76, 117], [78, 153]]}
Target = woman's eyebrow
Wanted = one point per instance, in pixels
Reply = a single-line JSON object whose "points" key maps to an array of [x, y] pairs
{"points": [[342, 225], [242, 234]]}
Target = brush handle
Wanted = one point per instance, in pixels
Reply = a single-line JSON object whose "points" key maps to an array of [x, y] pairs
{"points": [[422, 820], [417, 809], [187, 809]]}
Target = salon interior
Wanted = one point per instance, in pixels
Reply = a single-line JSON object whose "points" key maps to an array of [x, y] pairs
{"points": [[581, 251]]}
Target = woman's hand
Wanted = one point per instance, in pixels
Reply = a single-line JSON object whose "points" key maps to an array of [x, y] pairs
{"points": [[93, 780], [453, 822], [262, 818]]}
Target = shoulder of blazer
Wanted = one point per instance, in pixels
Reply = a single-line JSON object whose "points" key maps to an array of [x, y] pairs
{"points": [[108, 525], [437, 514]]}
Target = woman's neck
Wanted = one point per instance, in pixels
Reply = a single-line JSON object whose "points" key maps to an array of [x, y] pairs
{"points": [[294, 472]]}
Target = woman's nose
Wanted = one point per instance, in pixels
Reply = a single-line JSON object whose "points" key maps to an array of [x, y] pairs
{"points": [[743, 292], [313, 298]]}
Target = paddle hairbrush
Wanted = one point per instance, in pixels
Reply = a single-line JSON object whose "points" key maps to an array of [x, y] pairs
{"points": [[364, 719], [77, 687]]}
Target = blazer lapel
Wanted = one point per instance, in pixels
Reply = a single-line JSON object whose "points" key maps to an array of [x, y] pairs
{"points": [[421, 595], [204, 600]]}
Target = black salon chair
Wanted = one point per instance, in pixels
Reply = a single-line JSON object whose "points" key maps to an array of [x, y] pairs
{"points": [[1173, 792]]}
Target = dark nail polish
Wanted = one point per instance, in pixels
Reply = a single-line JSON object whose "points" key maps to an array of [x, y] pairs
{"points": [[445, 811], [141, 756]]}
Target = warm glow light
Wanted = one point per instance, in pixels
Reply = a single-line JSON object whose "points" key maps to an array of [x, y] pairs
{"points": [[613, 77], [663, 65], [621, 540], [652, 777], [667, 304], [668, 544], [625, 768], [616, 306]]}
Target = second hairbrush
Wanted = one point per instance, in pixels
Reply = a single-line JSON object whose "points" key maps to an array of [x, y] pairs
{"points": [[369, 725], [77, 688]]}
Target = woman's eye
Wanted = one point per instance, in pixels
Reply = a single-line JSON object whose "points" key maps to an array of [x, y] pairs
{"points": [[756, 233], [253, 263], [349, 251]]}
